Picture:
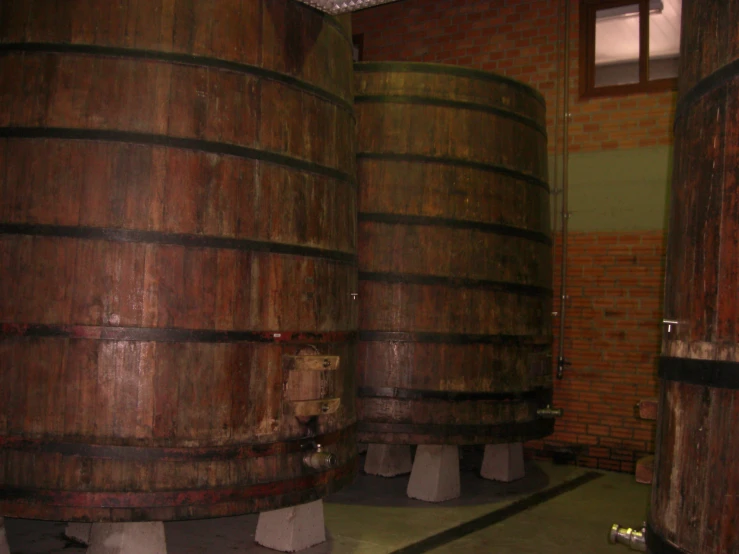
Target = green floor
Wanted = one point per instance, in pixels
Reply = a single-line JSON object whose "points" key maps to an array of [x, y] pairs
{"points": [[576, 521], [373, 516]]}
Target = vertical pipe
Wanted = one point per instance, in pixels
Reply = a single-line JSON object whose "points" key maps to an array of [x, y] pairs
{"points": [[561, 360], [558, 79]]}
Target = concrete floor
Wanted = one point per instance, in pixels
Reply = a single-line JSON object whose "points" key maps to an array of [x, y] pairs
{"points": [[374, 516]]}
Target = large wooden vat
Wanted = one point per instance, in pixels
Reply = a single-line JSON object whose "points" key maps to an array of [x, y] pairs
{"points": [[455, 256], [695, 494], [178, 257]]}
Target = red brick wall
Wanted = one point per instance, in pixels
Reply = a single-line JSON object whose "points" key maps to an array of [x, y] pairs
{"points": [[516, 38], [615, 279], [612, 339]]}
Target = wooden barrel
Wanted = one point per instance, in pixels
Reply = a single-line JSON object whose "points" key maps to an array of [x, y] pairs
{"points": [[454, 256], [178, 253], [695, 494]]}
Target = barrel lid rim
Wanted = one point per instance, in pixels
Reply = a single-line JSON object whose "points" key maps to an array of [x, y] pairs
{"points": [[705, 85], [456, 70], [334, 21], [345, 102]]}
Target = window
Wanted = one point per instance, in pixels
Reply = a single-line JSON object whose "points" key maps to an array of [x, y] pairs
{"points": [[628, 46]]}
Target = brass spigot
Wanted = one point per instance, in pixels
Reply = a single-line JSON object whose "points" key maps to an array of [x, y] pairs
{"points": [[318, 459], [634, 539]]}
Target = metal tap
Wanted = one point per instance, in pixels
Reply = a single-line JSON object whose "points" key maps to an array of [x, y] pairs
{"points": [[630, 537], [318, 459]]}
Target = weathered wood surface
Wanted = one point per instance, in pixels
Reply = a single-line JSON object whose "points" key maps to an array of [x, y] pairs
{"points": [[177, 217], [695, 496], [454, 254]]}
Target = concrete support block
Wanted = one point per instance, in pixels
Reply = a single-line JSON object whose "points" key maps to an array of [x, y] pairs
{"points": [[645, 470], [292, 529], [503, 462], [127, 538], [388, 460], [78, 532], [4, 548], [435, 474]]}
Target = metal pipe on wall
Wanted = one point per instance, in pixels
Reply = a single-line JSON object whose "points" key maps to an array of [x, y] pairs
{"points": [[555, 190], [561, 359]]}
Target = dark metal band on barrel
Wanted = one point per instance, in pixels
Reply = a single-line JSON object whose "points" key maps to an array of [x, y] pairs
{"points": [[456, 162], [450, 396], [706, 85], [451, 338], [122, 500], [197, 145], [457, 282], [182, 59], [455, 71], [511, 430], [149, 334], [657, 545], [493, 228], [455, 104], [177, 239], [706, 373], [174, 454]]}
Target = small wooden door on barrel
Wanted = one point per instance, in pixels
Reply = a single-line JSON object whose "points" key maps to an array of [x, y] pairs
{"points": [[178, 257]]}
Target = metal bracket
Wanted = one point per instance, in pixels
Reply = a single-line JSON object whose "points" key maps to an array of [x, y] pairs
{"points": [[561, 363], [549, 412]]}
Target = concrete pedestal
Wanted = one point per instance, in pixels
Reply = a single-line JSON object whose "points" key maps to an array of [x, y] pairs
{"points": [[127, 538], [292, 529], [435, 474], [388, 460], [503, 462], [4, 548], [78, 532]]}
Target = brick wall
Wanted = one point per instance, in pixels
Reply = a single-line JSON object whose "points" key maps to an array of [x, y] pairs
{"points": [[612, 339], [615, 278], [516, 38]]}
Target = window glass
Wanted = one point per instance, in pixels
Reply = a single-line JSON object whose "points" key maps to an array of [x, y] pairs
{"points": [[617, 46], [664, 40]]}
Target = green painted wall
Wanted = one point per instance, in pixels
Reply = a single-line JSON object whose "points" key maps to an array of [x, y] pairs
{"points": [[618, 190]]}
